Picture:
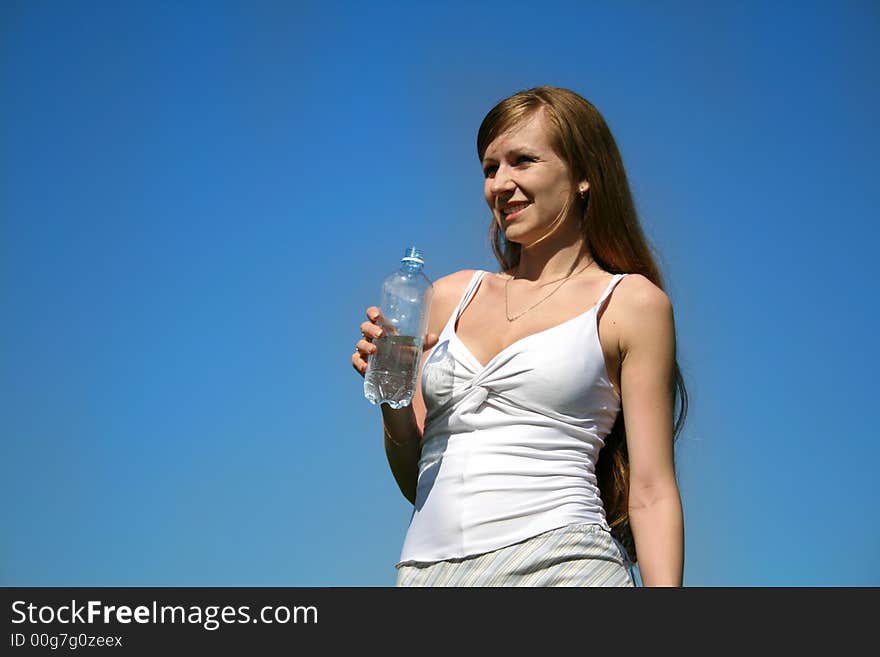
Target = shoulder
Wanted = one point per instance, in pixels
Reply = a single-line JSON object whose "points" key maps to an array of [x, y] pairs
{"points": [[643, 310], [447, 291], [457, 280], [636, 291], [449, 288]]}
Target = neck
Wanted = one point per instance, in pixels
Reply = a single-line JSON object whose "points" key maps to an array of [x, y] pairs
{"points": [[545, 262]]}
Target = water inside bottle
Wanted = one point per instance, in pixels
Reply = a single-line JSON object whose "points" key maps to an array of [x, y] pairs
{"points": [[392, 370]]}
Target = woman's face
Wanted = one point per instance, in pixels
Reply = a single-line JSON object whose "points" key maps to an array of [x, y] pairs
{"points": [[527, 184]]}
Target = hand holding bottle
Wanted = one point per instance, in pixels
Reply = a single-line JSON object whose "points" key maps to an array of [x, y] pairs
{"points": [[395, 336], [372, 330]]}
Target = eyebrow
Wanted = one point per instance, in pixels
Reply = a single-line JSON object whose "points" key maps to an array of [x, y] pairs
{"points": [[517, 150]]}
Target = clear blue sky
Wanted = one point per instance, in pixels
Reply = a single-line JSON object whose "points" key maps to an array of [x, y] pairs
{"points": [[199, 200]]}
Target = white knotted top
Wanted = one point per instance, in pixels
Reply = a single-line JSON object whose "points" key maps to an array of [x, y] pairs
{"points": [[510, 447]]}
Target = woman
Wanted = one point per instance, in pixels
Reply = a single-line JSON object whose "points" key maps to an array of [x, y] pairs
{"points": [[530, 375]]}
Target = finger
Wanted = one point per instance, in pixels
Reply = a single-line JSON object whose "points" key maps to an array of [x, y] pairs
{"points": [[371, 331], [358, 363], [378, 319], [359, 359], [365, 347], [374, 315]]}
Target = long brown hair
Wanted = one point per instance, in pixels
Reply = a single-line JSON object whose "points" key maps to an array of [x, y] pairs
{"points": [[612, 232]]}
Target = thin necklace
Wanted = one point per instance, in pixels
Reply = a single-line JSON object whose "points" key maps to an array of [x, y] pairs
{"points": [[506, 296]]}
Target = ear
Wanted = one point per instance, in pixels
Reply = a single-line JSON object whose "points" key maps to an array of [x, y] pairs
{"points": [[583, 188]]}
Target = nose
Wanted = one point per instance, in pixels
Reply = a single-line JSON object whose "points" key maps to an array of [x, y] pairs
{"points": [[502, 181]]}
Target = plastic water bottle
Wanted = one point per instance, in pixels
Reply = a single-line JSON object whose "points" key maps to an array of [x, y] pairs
{"points": [[406, 303]]}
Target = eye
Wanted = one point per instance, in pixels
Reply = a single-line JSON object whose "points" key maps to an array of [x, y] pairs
{"points": [[524, 158], [489, 170]]}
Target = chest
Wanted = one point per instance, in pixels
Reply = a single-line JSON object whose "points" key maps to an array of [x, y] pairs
{"points": [[484, 329]]}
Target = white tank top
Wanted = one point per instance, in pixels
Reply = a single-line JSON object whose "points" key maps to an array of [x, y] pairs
{"points": [[510, 448]]}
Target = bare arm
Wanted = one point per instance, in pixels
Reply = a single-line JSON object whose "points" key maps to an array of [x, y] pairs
{"points": [[403, 448], [403, 428], [655, 513]]}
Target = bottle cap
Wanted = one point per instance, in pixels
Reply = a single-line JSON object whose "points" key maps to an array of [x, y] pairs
{"points": [[412, 254]]}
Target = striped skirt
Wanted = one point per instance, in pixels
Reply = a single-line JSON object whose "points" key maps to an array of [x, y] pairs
{"points": [[576, 555]]}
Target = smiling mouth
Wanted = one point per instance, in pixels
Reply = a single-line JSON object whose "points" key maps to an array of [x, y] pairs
{"points": [[512, 212]]}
